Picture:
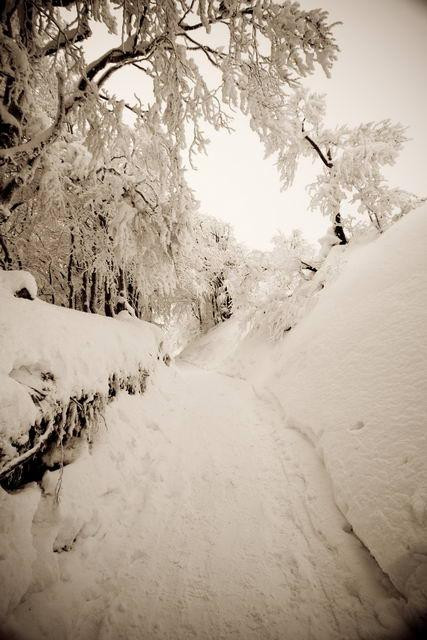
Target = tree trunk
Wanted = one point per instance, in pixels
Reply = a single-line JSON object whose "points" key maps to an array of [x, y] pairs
{"points": [[52, 290], [339, 231], [121, 284], [131, 294], [93, 301], [7, 261], [85, 292], [138, 305], [70, 273], [108, 302]]}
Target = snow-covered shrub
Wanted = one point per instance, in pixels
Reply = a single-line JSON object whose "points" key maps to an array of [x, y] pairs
{"points": [[58, 370]]}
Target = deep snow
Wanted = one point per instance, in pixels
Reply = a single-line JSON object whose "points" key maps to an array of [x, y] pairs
{"points": [[206, 508], [202, 517], [54, 354], [352, 377]]}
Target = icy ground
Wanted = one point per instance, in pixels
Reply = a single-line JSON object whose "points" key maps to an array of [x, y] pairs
{"points": [[203, 517]]}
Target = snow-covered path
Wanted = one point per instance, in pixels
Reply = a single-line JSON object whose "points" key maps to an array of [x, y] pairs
{"points": [[210, 520]]}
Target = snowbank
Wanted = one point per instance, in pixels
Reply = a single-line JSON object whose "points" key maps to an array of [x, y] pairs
{"points": [[51, 355], [60, 552], [352, 377]]}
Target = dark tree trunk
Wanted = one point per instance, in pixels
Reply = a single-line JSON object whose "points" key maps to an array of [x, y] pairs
{"points": [[85, 292], [131, 294], [108, 302], [339, 231], [52, 290], [137, 305], [70, 273], [121, 283], [93, 301]]}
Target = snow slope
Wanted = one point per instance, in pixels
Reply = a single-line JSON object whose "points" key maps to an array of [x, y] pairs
{"points": [[194, 515], [352, 377]]}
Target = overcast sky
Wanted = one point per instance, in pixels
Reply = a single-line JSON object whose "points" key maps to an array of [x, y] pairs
{"points": [[380, 73]]}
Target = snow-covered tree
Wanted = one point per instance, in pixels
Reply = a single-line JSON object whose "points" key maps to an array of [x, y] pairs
{"points": [[203, 267], [351, 189], [95, 207], [271, 288], [91, 231], [266, 46]]}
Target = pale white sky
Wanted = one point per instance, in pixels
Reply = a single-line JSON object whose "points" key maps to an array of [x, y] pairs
{"points": [[380, 73]]}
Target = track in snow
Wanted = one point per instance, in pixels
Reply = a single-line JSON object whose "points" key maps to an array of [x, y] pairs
{"points": [[214, 522]]}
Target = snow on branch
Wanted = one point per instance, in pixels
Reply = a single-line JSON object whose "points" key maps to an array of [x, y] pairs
{"points": [[43, 138]]}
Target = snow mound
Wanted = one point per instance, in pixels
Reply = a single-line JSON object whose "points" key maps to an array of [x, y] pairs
{"points": [[352, 377], [15, 282], [51, 355]]}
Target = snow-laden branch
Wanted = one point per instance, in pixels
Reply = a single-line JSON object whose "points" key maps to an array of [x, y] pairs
{"points": [[66, 37], [44, 137]]}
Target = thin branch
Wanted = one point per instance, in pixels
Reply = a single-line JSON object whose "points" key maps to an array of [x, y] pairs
{"points": [[208, 51], [65, 37], [218, 18], [109, 72], [189, 10], [128, 106], [305, 265], [113, 56], [316, 147]]}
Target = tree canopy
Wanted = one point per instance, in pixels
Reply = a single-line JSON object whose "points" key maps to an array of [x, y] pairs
{"points": [[95, 206]]}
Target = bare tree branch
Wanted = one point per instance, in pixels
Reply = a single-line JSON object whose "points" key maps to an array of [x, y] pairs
{"points": [[316, 147], [205, 48]]}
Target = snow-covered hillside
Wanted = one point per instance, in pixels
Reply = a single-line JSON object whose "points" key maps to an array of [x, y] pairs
{"points": [[352, 377]]}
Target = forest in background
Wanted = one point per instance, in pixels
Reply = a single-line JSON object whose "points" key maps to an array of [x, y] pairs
{"points": [[100, 211]]}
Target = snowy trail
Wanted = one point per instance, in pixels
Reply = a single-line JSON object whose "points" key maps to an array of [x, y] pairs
{"points": [[229, 531]]}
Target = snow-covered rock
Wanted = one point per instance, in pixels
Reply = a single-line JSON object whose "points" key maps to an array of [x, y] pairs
{"points": [[18, 281]]}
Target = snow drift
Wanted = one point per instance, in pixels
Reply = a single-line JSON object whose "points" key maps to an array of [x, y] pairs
{"points": [[352, 377], [59, 367]]}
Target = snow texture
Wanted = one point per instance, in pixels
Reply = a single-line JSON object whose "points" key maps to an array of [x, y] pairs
{"points": [[351, 376], [207, 507], [195, 514], [53, 354]]}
